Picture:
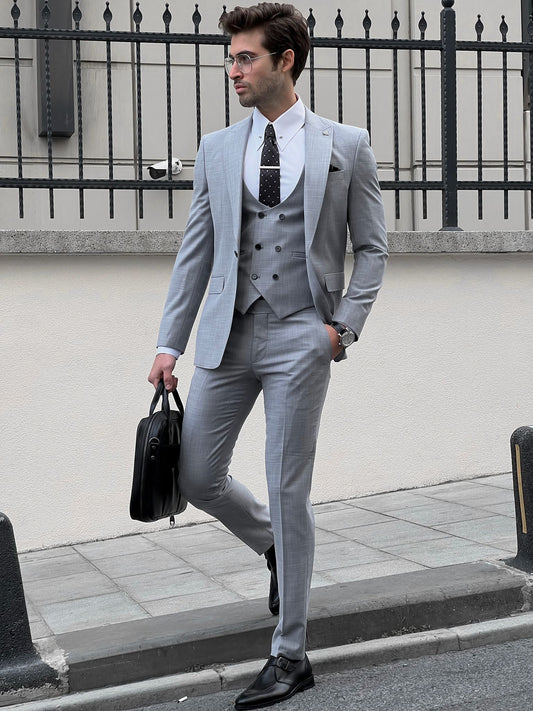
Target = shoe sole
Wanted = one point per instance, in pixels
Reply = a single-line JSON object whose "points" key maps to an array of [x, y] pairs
{"points": [[302, 686]]}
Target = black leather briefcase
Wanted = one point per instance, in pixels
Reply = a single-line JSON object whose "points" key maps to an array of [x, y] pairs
{"points": [[155, 491]]}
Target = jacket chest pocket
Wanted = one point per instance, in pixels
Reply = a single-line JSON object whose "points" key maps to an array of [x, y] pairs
{"points": [[216, 285]]}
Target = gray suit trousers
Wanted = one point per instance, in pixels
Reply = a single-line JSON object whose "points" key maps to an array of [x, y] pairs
{"points": [[289, 360]]}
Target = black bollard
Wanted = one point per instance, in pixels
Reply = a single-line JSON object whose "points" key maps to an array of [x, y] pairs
{"points": [[20, 665], [522, 458]]}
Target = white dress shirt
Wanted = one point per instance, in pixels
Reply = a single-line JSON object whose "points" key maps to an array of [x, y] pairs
{"points": [[290, 137]]}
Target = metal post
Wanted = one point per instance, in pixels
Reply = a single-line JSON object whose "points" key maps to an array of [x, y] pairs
{"points": [[20, 665], [522, 458], [55, 82], [449, 116]]}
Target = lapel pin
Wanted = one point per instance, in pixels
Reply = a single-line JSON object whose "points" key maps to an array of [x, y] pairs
{"points": [[325, 133]]}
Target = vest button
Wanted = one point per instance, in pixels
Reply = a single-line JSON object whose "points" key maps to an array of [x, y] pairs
{"points": [[275, 276], [255, 276], [282, 217], [260, 215], [277, 248], [258, 246]]}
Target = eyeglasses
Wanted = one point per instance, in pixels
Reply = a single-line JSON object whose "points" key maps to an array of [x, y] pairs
{"points": [[243, 61]]}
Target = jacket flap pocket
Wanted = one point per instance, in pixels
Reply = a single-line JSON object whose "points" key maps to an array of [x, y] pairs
{"points": [[334, 282], [216, 285]]}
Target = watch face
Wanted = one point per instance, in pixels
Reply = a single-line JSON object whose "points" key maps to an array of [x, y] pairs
{"points": [[347, 338]]}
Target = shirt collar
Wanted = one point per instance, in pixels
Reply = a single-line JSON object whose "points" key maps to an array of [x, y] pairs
{"points": [[286, 126]]}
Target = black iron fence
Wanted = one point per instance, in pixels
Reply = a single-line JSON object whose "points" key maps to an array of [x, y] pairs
{"points": [[447, 46]]}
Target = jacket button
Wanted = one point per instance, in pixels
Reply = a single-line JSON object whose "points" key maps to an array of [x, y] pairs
{"points": [[255, 276], [258, 246], [277, 248], [260, 215], [275, 276], [236, 253], [282, 217]]}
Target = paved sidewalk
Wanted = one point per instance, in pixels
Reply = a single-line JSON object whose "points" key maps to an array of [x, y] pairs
{"points": [[143, 576]]}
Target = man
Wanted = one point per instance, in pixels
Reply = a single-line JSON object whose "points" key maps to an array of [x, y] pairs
{"points": [[273, 197]]}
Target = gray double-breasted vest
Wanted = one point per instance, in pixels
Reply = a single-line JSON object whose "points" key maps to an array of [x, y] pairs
{"points": [[272, 261]]}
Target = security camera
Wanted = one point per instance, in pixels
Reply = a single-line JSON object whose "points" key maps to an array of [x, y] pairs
{"points": [[159, 170]]}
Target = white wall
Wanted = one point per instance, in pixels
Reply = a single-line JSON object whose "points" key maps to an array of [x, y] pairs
{"points": [[438, 382]]}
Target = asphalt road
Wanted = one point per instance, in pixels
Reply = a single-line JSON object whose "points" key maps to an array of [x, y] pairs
{"points": [[496, 678]]}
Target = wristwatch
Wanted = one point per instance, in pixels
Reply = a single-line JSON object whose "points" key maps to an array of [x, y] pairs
{"points": [[346, 335]]}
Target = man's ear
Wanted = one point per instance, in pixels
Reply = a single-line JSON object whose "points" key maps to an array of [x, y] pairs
{"points": [[287, 60]]}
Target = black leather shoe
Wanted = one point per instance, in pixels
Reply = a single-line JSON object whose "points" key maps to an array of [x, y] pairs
{"points": [[278, 680], [273, 595]]}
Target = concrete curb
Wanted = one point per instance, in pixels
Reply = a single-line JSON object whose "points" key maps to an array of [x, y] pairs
{"points": [[340, 614], [236, 676]]}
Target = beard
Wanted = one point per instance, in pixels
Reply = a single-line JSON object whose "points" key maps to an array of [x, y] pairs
{"points": [[263, 92]]}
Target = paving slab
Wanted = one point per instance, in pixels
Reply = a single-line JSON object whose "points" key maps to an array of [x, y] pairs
{"points": [[53, 567], [114, 547], [382, 568], [151, 586], [504, 481], [449, 551], [475, 495], [91, 612], [483, 530], [347, 518], [442, 512], [336, 555], [223, 561], [207, 540], [386, 535], [152, 561], [392, 501], [68, 587]]}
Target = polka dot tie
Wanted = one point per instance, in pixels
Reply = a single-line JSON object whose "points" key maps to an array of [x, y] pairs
{"points": [[269, 191]]}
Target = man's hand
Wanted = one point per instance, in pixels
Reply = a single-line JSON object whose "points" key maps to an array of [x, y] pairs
{"points": [[162, 370], [336, 348]]}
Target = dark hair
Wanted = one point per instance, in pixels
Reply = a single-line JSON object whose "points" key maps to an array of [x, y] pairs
{"points": [[283, 25]]}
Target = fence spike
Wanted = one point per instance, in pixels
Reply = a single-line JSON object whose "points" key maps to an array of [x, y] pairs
{"points": [[46, 14], [167, 17], [339, 23], [311, 22], [15, 13], [367, 24], [76, 15], [479, 28], [137, 16], [423, 25], [196, 18], [395, 24], [504, 29], [108, 16]]}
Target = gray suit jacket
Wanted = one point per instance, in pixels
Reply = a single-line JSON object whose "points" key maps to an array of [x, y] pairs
{"points": [[333, 200]]}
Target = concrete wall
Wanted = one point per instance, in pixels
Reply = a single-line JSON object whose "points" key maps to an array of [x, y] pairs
{"points": [[212, 103], [438, 382]]}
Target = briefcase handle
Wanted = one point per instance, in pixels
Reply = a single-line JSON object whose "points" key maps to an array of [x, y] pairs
{"points": [[162, 391]]}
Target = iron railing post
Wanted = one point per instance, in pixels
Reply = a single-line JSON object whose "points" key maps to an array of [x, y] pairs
{"points": [[450, 218]]}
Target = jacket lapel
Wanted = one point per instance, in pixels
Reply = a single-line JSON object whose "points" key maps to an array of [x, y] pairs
{"points": [[234, 148], [318, 143]]}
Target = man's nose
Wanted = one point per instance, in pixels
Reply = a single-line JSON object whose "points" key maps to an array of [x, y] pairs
{"points": [[235, 71]]}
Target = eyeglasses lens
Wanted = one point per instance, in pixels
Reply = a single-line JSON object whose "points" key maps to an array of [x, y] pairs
{"points": [[243, 62]]}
